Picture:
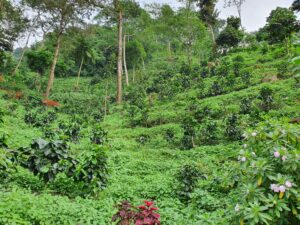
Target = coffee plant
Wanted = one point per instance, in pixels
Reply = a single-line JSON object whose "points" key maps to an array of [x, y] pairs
{"points": [[216, 89], [45, 158], [71, 131], [209, 133], [91, 169], [267, 99], [232, 130], [246, 106], [187, 179], [98, 136], [189, 133]]}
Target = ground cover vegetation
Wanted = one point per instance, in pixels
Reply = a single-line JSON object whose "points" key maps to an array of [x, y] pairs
{"points": [[123, 114]]}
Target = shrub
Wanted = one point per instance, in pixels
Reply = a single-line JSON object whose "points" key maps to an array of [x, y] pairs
{"points": [[98, 136], [91, 169], [125, 214], [170, 136], [143, 139], [45, 159], [187, 178], [269, 168], [267, 99], [40, 118], [232, 130], [246, 78], [189, 132], [245, 106], [71, 131], [216, 89], [209, 133]]}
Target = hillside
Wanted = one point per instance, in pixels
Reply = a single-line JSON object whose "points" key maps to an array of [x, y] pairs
{"points": [[144, 160]]}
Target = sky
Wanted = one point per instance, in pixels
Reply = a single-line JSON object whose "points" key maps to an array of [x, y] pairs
{"points": [[254, 12]]}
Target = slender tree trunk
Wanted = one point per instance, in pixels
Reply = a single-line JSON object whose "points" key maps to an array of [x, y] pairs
{"points": [[169, 51], [22, 55], [79, 72], [125, 64], [120, 50], [133, 74], [52, 71], [213, 38], [105, 100]]}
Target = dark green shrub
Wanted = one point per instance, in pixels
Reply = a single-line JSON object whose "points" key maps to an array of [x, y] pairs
{"points": [[246, 106], [45, 159], [71, 131], [98, 136], [170, 136], [189, 133], [209, 133], [232, 131], [216, 89], [40, 117], [91, 169], [187, 178], [246, 78], [267, 99]]}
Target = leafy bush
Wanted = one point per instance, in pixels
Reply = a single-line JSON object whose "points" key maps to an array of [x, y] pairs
{"points": [[232, 131], [267, 99], [71, 131], [187, 178], [189, 132], [143, 139], [283, 69], [7, 158], [245, 106], [269, 168], [39, 118], [209, 133], [170, 136], [91, 169], [98, 136], [45, 159], [216, 89]]}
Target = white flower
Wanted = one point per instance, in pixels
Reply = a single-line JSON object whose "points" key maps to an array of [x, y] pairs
{"points": [[245, 145], [273, 186], [237, 208], [243, 159], [253, 153], [276, 154], [254, 134], [288, 184]]}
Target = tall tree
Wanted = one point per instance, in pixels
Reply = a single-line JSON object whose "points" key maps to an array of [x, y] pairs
{"points": [[238, 4], [59, 15], [12, 23], [209, 15], [296, 6], [281, 23]]}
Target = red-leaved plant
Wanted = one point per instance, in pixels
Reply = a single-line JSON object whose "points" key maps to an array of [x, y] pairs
{"points": [[50, 103], [141, 215]]}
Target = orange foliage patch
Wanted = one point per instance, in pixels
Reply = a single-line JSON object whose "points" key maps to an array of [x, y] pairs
{"points": [[19, 95], [1, 79], [50, 103]]}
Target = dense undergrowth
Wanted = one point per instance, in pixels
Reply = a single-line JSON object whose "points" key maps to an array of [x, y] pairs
{"points": [[205, 144]]}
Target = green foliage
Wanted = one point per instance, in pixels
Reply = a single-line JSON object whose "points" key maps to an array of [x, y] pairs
{"points": [[91, 169], [98, 136], [281, 23], [40, 117], [231, 35], [233, 131], [187, 177], [45, 159], [209, 132], [269, 163], [71, 130], [267, 99], [189, 132], [39, 60]]}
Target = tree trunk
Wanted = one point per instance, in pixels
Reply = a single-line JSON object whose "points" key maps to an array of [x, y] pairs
{"points": [[169, 51], [133, 74], [105, 101], [79, 72], [120, 50], [22, 55], [213, 38], [125, 64], [52, 71]]}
